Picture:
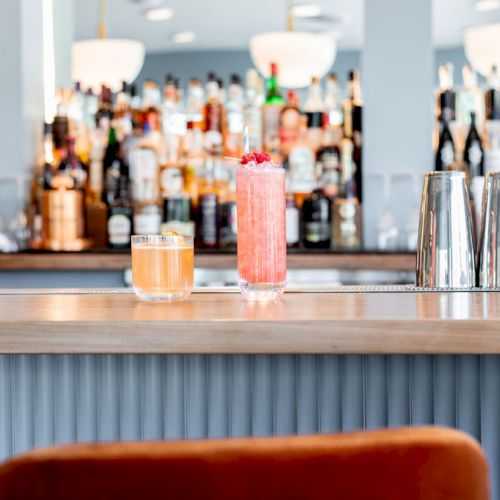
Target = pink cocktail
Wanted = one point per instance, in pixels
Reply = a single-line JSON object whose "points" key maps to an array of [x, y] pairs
{"points": [[261, 206]]}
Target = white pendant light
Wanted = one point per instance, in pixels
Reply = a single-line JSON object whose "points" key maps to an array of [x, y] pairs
{"points": [[108, 61], [299, 55], [482, 47]]}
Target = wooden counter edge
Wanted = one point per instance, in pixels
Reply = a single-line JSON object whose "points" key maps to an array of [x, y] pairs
{"points": [[378, 336], [116, 262]]}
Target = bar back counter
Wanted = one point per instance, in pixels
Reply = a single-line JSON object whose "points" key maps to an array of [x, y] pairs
{"points": [[98, 365]]}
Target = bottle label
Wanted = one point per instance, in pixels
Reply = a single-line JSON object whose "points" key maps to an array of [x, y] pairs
{"points": [[475, 154], [185, 228], [301, 170], [271, 127], [208, 222], [147, 223], [292, 225], [119, 229], [317, 232], [172, 182], [253, 120], [447, 154]]}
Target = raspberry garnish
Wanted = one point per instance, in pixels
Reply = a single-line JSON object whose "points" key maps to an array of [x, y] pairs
{"points": [[257, 157]]}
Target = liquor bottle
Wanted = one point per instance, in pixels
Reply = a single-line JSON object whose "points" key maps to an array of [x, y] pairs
{"points": [[193, 161], [151, 103], [234, 118], [173, 121], [290, 122], [473, 152], [316, 220], [346, 214], [136, 108], [120, 216], [313, 108], [208, 210], [292, 222], [253, 110], [213, 119], [48, 157], [332, 104], [301, 167], [105, 110], [445, 153], [271, 113], [447, 94], [348, 106], [228, 226], [328, 160], [72, 166], [60, 130], [177, 215], [123, 113], [194, 105], [470, 100], [492, 102], [113, 168]]}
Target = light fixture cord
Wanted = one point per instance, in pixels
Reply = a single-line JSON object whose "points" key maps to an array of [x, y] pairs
{"points": [[290, 18], [102, 19]]}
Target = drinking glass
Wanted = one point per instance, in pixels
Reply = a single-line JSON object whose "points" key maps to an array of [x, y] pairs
{"points": [[162, 267], [261, 208]]}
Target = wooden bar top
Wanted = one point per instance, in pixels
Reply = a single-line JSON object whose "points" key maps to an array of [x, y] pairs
{"points": [[116, 261], [209, 322]]}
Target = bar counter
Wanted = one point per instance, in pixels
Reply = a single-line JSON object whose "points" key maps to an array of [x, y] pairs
{"points": [[336, 320], [97, 365]]}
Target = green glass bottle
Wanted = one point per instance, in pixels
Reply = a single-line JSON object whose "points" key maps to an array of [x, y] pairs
{"points": [[273, 95]]}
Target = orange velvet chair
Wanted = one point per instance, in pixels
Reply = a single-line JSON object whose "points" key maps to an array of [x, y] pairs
{"points": [[404, 464]]}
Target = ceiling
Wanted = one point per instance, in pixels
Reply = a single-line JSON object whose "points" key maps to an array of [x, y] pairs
{"points": [[229, 24]]}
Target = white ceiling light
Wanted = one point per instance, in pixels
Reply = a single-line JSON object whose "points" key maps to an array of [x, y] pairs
{"points": [[299, 55], [108, 61], [183, 37], [485, 5], [158, 14], [306, 10], [482, 47]]}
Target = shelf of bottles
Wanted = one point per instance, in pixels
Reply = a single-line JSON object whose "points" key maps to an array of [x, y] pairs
{"points": [[467, 132], [165, 160]]}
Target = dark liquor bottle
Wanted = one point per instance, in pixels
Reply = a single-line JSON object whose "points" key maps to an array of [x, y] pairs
{"points": [[207, 230], [120, 216], [48, 146], [113, 168], [473, 153], [228, 226], [445, 154], [292, 222], [72, 166], [105, 110], [316, 220]]}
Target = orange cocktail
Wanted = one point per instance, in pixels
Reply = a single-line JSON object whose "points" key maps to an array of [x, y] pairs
{"points": [[261, 205], [162, 267]]}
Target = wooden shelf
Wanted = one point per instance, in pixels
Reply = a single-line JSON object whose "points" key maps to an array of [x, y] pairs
{"points": [[109, 261]]}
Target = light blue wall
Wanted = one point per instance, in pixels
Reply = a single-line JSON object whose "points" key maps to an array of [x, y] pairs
{"points": [[186, 65], [224, 62]]}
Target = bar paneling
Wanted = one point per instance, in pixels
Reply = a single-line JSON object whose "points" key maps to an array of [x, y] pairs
{"points": [[55, 399]]}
